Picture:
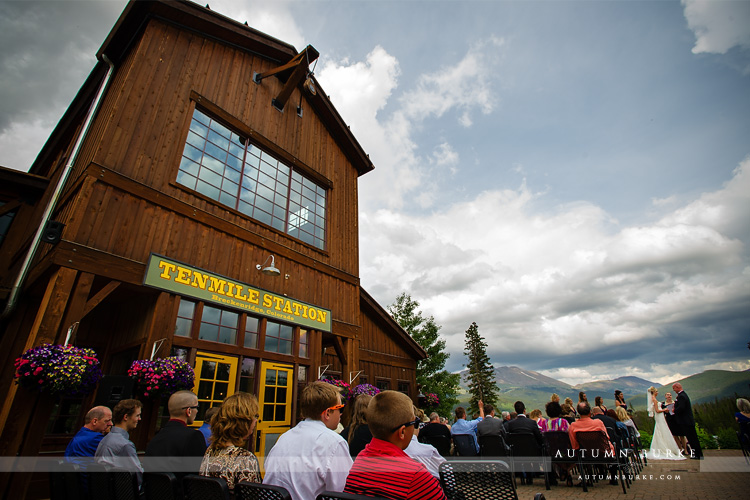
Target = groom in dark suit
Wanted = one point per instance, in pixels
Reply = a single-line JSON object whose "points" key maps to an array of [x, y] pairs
{"points": [[683, 416]]}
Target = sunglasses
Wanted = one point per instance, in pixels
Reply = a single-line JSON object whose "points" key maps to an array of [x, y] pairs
{"points": [[415, 423], [337, 407]]}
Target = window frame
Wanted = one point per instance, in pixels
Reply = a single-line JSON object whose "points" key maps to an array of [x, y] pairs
{"points": [[296, 166]]}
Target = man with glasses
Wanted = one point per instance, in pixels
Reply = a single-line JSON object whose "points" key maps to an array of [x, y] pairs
{"points": [[311, 458], [383, 469], [177, 448]]}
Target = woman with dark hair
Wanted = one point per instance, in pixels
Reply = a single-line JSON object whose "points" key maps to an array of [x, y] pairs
{"points": [[599, 402], [231, 427], [582, 398], [620, 400], [555, 422], [357, 433]]}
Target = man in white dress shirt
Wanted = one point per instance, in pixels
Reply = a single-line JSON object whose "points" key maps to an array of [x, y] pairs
{"points": [[311, 458], [424, 453]]}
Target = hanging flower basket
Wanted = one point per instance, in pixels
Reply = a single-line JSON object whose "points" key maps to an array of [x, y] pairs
{"points": [[431, 400], [58, 369], [364, 389], [161, 376], [346, 389]]}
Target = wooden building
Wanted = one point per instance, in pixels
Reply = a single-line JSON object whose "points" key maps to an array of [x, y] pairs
{"points": [[199, 199]]}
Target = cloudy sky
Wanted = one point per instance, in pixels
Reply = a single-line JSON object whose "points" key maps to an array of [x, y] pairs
{"points": [[574, 176]]}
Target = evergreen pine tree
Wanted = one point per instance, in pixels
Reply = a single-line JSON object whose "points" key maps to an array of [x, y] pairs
{"points": [[431, 374], [481, 376]]}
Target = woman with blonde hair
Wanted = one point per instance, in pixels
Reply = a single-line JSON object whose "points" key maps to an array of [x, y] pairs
{"points": [[231, 427], [623, 417], [357, 433]]}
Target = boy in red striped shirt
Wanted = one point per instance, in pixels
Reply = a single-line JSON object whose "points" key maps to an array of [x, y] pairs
{"points": [[382, 468]]}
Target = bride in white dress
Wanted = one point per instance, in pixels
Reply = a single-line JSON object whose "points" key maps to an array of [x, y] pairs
{"points": [[663, 446]]}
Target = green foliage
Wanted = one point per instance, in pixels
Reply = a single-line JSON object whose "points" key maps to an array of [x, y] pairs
{"points": [[717, 414], [643, 422], [707, 441], [431, 373], [481, 376], [646, 438], [728, 439]]}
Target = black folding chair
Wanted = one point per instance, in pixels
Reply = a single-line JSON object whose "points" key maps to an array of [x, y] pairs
{"points": [[441, 443], [57, 480], [493, 446], [743, 436], [98, 482], [560, 451], [71, 480], [161, 486], [124, 484], [205, 488], [594, 450], [478, 480], [246, 490], [334, 495], [529, 457], [465, 445]]}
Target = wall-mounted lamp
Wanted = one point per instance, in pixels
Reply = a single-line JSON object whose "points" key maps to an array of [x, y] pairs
{"points": [[268, 270]]}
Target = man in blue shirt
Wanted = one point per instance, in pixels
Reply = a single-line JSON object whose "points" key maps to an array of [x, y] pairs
{"points": [[96, 423], [462, 426], [206, 427]]}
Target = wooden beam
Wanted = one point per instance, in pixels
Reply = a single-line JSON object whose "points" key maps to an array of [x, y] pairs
{"points": [[77, 302], [100, 296], [293, 63], [280, 100], [338, 344]]}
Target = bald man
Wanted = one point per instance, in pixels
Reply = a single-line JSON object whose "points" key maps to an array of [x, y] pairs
{"points": [[178, 448], [97, 421]]}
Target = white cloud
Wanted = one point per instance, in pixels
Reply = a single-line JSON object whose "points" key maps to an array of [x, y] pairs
{"points": [[360, 90], [271, 18], [718, 25], [570, 283]]}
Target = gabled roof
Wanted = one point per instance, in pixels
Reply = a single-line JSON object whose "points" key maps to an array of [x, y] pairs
{"points": [[192, 17], [369, 304]]}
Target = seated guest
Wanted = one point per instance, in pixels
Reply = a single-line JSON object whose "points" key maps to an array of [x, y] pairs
{"points": [[424, 453], [743, 419], [382, 468], [524, 425], [609, 423], [116, 449], [310, 457], [556, 422], [555, 398], [490, 426], [357, 434], [206, 427], [179, 448], [511, 416], [435, 427], [599, 403], [624, 419], [97, 421], [232, 426], [444, 421], [462, 426], [582, 398], [536, 416], [586, 424]]}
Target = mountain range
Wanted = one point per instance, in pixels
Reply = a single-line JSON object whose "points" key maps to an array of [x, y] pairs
{"points": [[535, 389]]}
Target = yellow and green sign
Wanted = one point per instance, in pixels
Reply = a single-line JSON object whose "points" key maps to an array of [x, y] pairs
{"points": [[181, 279]]}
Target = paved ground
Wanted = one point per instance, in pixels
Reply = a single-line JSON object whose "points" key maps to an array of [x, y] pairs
{"points": [[721, 475]]}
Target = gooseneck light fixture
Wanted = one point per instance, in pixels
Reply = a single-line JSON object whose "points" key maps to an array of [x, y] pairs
{"points": [[270, 270]]}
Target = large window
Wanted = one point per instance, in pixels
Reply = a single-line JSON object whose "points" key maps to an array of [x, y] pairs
{"points": [[228, 168]]}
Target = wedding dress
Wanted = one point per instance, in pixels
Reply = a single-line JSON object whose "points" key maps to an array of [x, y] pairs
{"points": [[663, 445]]}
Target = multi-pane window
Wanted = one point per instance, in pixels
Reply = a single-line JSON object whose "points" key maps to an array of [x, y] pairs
{"points": [[222, 165], [403, 386], [247, 375], [218, 325], [383, 384], [184, 318], [279, 338]]}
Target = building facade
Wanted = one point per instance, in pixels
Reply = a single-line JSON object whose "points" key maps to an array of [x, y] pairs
{"points": [[198, 199]]}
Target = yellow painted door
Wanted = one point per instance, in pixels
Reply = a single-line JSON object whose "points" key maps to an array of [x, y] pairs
{"points": [[215, 378], [275, 399]]}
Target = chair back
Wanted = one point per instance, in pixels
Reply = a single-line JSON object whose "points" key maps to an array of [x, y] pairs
{"points": [[465, 445], [477, 480], [441, 443], [559, 448], [246, 490], [161, 486], [99, 482], [493, 446], [593, 447], [124, 484], [205, 488], [334, 495], [71, 478], [57, 489]]}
